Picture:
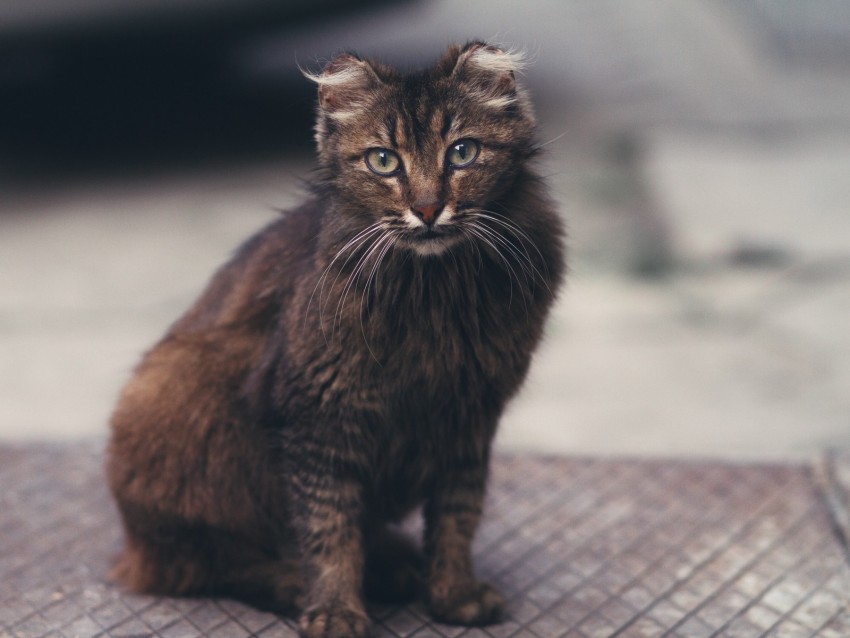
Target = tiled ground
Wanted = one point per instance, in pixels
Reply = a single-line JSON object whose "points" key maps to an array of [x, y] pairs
{"points": [[581, 548]]}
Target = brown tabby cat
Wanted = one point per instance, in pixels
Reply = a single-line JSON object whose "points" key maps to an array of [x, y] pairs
{"points": [[351, 361]]}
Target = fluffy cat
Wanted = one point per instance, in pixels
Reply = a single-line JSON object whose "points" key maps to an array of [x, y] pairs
{"points": [[351, 361]]}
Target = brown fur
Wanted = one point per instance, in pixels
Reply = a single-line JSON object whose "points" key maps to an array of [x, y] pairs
{"points": [[346, 365]]}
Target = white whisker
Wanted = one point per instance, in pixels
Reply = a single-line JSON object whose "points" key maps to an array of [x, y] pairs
{"points": [[520, 259], [355, 274], [523, 239], [323, 304], [554, 139], [475, 229], [374, 270], [354, 242], [369, 281]]}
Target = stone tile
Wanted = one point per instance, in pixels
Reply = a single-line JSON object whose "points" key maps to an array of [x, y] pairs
{"points": [[746, 522]]}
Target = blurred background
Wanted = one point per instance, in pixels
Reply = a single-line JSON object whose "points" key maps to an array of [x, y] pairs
{"points": [[699, 150]]}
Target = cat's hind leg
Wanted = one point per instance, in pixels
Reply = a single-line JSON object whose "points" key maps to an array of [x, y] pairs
{"points": [[199, 561]]}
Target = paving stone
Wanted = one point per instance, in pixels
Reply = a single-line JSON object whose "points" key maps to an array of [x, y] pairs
{"points": [[656, 548]]}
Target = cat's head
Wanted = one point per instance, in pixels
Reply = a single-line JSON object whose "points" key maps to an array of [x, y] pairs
{"points": [[420, 155]]}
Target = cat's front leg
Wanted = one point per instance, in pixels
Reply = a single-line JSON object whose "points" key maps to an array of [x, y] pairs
{"points": [[452, 515], [328, 510]]}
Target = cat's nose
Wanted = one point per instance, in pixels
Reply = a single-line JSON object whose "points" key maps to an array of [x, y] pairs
{"points": [[427, 211]]}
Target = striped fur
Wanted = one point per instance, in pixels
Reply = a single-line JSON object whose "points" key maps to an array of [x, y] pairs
{"points": [[348, 365]]}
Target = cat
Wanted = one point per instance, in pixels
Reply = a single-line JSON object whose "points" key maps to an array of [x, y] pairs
{"points": [[351, 361]]}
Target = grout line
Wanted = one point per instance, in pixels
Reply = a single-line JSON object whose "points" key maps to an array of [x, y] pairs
{"points": [[833, 497]]}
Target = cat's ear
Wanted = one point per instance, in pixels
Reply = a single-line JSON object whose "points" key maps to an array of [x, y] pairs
{"points": [[345, 85], [488, 72]]}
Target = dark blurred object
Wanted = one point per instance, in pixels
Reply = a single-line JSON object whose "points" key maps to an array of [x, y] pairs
{"points": [[105, 84]]}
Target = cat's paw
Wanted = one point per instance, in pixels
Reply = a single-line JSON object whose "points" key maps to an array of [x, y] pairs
{"points": [[469, 604], [334, 622]]}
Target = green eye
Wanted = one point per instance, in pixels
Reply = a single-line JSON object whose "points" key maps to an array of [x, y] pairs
{"points": [[382, 161], [463, 153]]}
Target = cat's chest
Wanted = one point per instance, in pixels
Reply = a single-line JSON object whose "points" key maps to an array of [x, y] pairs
{"points": [[430, 356], [441, 323], [428, 342]]}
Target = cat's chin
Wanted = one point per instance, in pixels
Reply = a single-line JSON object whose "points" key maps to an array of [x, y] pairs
{"points": [[431, 246]]}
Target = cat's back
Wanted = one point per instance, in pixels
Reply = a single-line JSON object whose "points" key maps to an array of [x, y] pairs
{"points": [[185, 393], [249, 290]]}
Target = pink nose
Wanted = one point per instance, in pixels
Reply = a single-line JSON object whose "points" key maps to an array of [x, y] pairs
{"points": [[427, 211]]}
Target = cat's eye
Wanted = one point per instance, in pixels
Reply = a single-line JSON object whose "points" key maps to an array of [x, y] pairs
{"points": [[382, 161], [463, 153]]}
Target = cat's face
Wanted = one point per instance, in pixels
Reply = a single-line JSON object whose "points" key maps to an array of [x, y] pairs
{"points": [[420, 157]]}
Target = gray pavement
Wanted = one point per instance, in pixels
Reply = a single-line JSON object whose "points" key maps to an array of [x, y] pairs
{"points": [[700, 153], [578, 547]]}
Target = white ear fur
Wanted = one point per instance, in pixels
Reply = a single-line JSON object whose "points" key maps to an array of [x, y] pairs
{"points": [[344, 84], [496, 61], [490, 73], [347, 75]]}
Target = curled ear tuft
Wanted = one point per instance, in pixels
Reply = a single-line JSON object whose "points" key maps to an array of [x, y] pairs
{"points": [[490, 73], [488, 58], [344, 85]]}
